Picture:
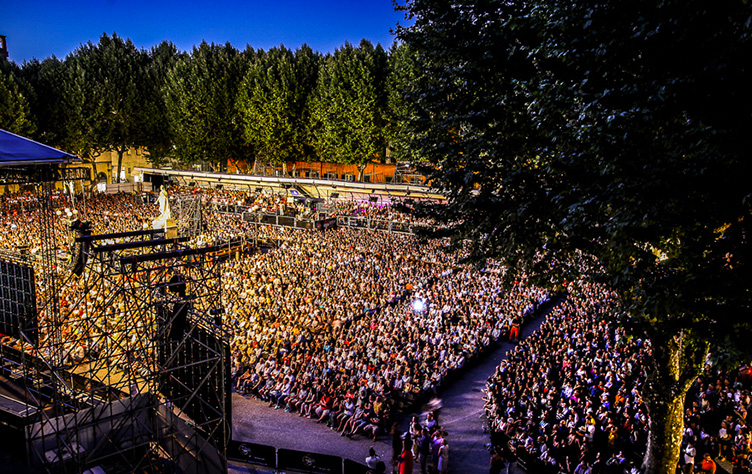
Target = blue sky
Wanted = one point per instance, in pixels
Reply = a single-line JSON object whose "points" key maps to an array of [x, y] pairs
{"points": [[39, 29]]}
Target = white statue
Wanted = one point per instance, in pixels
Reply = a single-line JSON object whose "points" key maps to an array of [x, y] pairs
{"points": [[164, 210]]}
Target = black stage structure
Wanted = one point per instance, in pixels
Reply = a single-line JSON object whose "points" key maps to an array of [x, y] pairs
{"points": [[116, 360]]}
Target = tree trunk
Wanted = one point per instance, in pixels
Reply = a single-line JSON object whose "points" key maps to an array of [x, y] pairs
{"points": [[120, 152], [676, 362], [361, 168], [665, 436]]}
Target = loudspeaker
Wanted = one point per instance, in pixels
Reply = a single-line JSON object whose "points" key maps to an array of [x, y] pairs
{"points": [[80, 250], [176, 285], [179, 320], [78, 260]]}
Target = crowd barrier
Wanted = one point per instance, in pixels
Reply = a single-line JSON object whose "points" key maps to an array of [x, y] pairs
{"points": [[374, 224], [322, 224], [114, 188], [289, 221], [291, 460]]}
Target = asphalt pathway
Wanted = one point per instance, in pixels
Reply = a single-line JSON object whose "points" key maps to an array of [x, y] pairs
{"points": [[461, 415]]}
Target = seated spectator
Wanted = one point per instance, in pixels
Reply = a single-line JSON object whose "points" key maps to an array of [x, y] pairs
{"points": [[708, 466]]}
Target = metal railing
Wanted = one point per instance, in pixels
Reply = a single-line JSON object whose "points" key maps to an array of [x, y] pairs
{"points": [[375, 224], [272, 459]]}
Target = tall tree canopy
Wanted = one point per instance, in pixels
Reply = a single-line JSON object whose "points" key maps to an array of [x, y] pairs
{"points": [[200, 95], [191, 107], [158, 138], [15, 110], [403, 76], [273, 102], [308, 63], [50, 103], [347, 109], [109, 93], [614, 129]]}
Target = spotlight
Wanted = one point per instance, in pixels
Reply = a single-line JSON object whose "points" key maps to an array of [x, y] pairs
{"points": [[418, 305]]}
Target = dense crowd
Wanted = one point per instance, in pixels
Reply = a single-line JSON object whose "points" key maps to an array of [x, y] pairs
{"points": [[356, 323], [717, 417], [344, 326], [568, 398], [570, 393]]}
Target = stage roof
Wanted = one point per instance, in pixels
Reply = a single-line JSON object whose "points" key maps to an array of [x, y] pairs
{"points": [[16, 150]]}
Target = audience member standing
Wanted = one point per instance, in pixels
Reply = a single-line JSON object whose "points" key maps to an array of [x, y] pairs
{"points": [[689, 458], [424, 449], [497, 463], [443, 466], [372, 458], [406, 458]]}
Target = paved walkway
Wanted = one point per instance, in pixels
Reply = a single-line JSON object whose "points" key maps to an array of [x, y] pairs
{"points": [[461, 415]]}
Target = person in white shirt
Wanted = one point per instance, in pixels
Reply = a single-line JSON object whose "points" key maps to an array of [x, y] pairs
{"points": [[372, 458], [689, 458]]}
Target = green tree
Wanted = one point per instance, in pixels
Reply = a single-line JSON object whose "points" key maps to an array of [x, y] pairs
{"points": [[15, 111], [347, 108], [617, 130], [109, 90], [402, 77], [200, 95], [272, 102], [76, 135], [49, 103], [308, 63], [158, 139]]}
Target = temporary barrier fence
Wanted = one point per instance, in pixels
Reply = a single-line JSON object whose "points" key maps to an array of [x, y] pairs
{"points": [[291, 460]]}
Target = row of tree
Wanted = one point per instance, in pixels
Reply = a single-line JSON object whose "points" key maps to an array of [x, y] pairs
{"points": [[213, 103]]}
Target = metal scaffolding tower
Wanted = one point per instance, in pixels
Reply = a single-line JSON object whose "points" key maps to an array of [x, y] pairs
{"points": [[124, 364], [188, 214]]}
